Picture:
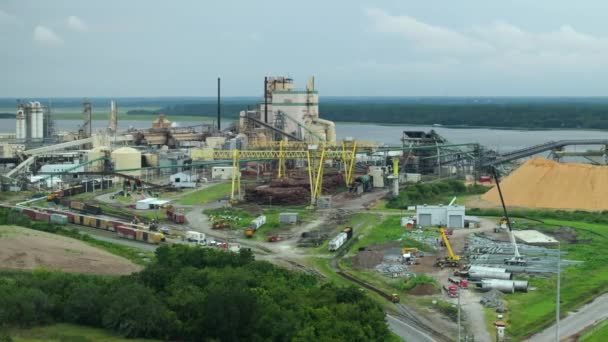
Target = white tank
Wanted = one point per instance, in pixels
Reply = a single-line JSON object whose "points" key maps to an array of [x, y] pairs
{"points": [[40, 114], [127, 158], [96, 153], [20, 125]]}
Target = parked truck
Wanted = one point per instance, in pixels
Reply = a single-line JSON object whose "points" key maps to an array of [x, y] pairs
{"points": [[451, 290], [197, 237]]}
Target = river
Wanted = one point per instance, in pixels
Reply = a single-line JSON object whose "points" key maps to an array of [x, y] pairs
{"points": [[502, 140]]}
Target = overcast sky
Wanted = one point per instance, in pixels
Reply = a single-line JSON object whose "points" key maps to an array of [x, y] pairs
{"points": [[377, 48]]}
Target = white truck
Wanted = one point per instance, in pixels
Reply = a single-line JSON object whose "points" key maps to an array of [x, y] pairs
{"points": [[196, 237]]}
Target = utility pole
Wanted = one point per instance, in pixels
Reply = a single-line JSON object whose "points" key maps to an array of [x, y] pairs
{"points": [[219, 106], [559, 249], [459, 290]]}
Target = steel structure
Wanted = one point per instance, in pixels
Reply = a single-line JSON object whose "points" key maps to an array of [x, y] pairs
{"points": [[315, 158]]}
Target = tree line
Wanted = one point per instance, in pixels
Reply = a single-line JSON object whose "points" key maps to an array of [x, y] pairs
{"points": [[510, 115], [195, 294], [432, 193]]}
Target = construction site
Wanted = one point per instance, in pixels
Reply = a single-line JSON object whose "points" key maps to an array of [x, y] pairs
{"points": [[454, 265]]}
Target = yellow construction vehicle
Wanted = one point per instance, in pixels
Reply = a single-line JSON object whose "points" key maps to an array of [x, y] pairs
{"points": [[452, 260], [395, 298], [412, 250]]}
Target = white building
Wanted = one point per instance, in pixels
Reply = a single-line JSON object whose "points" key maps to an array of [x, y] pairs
{"points": [[150, 203], [184, 180], [451, 216], [222, 172]]}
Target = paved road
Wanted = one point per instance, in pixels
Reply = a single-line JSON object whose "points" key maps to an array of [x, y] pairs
{"points": [[406, 331], [576, 321]]}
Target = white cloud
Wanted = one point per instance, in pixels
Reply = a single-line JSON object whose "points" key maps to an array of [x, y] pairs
{"points": [[425, 36], [46, 36], [499, 46], [76, 24]]}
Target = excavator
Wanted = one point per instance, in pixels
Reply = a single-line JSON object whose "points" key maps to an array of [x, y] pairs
{"points": [[452, 260], [517, 259]]}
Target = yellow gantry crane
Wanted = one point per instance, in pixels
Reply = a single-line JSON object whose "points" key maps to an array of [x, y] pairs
{"points": [[452, 260], [315, 155]]}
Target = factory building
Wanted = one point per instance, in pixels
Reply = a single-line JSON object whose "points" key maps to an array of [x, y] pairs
{"points": [[291, 110], [451, 216]]}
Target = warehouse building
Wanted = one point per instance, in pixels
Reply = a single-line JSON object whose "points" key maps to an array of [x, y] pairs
{"points": [[451, 216]]}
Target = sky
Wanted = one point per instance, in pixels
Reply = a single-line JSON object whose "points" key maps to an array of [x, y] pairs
{"points": [[73, 48]]}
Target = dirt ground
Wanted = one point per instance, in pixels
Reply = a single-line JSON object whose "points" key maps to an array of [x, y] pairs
{"points": [[27, 249]]}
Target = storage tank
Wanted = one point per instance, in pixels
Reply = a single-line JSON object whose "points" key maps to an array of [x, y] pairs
{"points": [[39, 120], [151, 159], [20, 129], [127, 158], [97, 153]]}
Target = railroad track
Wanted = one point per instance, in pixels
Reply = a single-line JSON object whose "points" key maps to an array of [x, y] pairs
{"points": [[403, 314]]}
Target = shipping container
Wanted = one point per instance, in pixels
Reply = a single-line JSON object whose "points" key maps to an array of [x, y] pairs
{"points": [[59, 219], [40, 216]]}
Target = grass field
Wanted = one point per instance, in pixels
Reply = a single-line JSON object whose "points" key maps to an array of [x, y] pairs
{"points": [[206, 195], [387, 230], [65, 333], [535, 310], [599, 333]]}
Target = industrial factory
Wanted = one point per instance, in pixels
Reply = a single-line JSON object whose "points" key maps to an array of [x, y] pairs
{"points": [[275, 178]]}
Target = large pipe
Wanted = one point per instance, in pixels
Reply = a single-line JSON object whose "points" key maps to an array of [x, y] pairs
{"points": [[476, 268], [490, 275], [266, 99], [505, 286], [218, 105]]}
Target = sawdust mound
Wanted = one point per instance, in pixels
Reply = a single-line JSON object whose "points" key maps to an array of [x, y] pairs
{"points": [[543, 183]]}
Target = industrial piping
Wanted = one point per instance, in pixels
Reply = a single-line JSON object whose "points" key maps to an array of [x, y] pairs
{"points": [[475, 268], [490, 275]]}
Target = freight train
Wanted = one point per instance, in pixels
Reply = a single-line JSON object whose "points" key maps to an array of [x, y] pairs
{"points": [[122, 229], [255, 225], [340, 239]]}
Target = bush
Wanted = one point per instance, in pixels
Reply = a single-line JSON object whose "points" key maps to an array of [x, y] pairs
{"points": [[432, 193], [195, 294]]}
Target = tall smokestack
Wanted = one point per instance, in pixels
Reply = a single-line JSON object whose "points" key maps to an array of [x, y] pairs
{"points": [[113, 116], [219, 109], [266, 99]]}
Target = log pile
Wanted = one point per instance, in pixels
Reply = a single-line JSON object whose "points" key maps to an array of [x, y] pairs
{"points": [[292, 191]]}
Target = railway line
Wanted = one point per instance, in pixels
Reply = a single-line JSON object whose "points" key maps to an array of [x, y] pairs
{"points": [[405, 315]]}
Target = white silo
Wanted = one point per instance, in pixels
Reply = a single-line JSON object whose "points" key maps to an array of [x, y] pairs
{"points": [[39, 121], [33, 124], [20, 129]]}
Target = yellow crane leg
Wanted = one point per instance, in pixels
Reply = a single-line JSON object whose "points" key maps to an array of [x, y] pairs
{"points": [[319, 177], [282, 167], [236, 177]]}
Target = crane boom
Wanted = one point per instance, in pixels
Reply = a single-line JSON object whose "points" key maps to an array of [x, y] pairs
{"points": [[517, 258], [451, 254]]}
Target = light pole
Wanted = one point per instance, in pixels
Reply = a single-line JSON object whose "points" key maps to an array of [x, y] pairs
{"points": [[558, 290], [459, 290]]}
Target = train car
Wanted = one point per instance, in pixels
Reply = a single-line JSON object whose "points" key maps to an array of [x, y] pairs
{"points": [[125, 232], [255, 225], [337, 242]]}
